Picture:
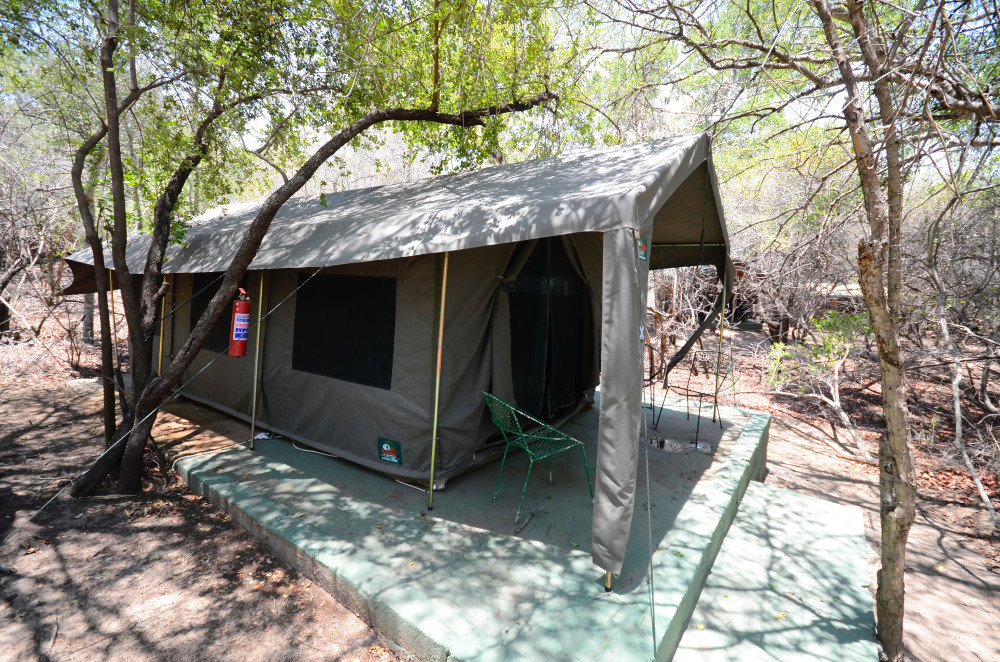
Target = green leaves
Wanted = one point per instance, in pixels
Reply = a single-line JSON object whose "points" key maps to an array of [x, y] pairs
{"points": [[831, 340], [777, 376], [221, 96]]}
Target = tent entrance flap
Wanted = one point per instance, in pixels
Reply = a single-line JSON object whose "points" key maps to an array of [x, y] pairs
{"points": [[550, 322]]}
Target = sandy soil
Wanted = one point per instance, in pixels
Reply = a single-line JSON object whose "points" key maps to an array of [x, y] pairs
{"points": [[163, 576], [953, 552], [953, 570]]}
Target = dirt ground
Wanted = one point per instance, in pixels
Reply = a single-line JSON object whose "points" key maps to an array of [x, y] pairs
{"points": [[163, 576], [953, 552], [952, 563]]}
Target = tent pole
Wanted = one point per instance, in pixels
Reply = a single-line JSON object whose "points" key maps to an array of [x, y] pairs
{"points": [[163, 315], [256, 360], [114, 323], [437, 382], [718, 356]]}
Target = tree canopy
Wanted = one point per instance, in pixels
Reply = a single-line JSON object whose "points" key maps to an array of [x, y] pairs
{"points": [[162, 103]]}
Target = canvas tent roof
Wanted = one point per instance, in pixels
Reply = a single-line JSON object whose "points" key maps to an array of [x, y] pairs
{"points": [[664, 190], [592, 191]]}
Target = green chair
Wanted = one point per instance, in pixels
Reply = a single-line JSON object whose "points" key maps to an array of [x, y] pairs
{"points": [[540, 441]]}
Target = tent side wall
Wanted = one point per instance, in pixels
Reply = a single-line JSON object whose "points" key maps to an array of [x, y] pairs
{"points": [[345, 417], [213, 376], [353, 420], [342, 417], [468, 360]]}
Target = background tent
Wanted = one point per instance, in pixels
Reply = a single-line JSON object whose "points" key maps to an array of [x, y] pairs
{"points": [[616, 214]]}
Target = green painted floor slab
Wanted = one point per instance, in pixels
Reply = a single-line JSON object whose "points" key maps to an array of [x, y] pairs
{"points": [[457, 583], [791, 583]]}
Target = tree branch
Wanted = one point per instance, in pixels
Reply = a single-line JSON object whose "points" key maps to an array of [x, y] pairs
{"points": [[159, 387]]}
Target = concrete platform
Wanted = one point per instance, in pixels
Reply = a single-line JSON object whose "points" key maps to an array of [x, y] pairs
{"points": [[791, 583], [457, 583]]}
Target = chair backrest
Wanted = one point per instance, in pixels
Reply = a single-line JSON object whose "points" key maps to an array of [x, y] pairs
{"points": [[504, 415]]}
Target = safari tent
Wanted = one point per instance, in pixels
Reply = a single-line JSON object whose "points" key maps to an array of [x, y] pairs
{"points": [[537, 269]]}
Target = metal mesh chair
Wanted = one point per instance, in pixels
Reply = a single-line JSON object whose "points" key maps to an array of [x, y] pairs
{"points": [[539, 441]]}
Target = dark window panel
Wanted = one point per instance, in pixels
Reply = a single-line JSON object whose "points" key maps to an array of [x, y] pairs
{"points": [[345, 328]]}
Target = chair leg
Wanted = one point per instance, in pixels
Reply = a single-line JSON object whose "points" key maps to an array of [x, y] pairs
{"points": [[587, 471], [496, 489], [523, 492]]}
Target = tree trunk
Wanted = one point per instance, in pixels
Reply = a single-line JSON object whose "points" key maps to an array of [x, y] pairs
{"points": [[897, 479], [862, 453], [88, 318], [5, 278], [956, 386], [100, 280], [132, 461], [982, 396], [106, 464], [957, 405], [138, 363]]}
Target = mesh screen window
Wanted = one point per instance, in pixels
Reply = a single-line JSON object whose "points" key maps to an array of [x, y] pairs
{"points": [[205, 286], [345, 328]]}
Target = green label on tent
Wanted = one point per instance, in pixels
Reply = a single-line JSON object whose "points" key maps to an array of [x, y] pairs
{"points": [[643, 249], [389, 451]]}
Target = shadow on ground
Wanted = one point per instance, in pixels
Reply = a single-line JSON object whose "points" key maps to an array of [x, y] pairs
{"points": [[161, 576]]}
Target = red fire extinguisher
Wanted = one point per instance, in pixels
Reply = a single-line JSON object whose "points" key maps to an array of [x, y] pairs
{"points": [[240, 326]]}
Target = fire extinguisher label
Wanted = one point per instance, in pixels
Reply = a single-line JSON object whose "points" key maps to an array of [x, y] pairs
{"points": [[241, 323], [389, 451]]}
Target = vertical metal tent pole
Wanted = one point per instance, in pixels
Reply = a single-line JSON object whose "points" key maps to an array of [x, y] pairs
{"points": [[173, 309], [718, 356], [114, 322], [163, 316], [256, 361], [437, 382], [111, 293], [732, 367]]}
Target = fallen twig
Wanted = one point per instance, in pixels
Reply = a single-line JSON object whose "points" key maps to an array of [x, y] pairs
{"points": [[301, 640], [81, 648], [526, 520], [55, 633]]}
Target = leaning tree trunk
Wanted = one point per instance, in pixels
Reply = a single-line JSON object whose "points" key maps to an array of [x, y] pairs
{"points": [[106, 464], [151, 391], [133, 455], [862, 454]]}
